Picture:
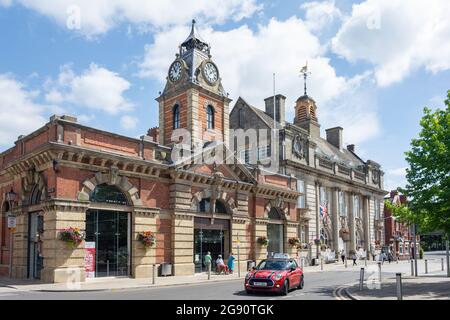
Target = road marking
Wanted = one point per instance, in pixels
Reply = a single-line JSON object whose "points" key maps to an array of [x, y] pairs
{"points": [[8, 294]]}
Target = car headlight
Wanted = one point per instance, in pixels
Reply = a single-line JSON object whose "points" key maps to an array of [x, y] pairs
{"points": [[248, 276], [278, 276]]}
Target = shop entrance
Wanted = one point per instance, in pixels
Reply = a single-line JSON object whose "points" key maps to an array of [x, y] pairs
{"points": [[35, 233], [107, 233], [213, 237]]}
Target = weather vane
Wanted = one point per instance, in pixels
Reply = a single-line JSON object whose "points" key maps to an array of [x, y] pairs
{"points": [[304, 71]]}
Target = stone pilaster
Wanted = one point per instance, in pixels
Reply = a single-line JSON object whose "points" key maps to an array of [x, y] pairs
{"points": [[318, 222], [20, 247], [162, 139], [143, 219], [63, 263], [291, 232], [260, 231], [335, 219], [183, 244], [193, 124], [239, 235], [366, 223], [352, 223], [226, 123]]}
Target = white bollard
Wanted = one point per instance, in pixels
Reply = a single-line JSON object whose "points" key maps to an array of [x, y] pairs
{"points": [[154, 274], [361, 279], [346, 262], [379, 272], [426, 266], [442, 264], [321, 264], [209, 270], [399, 286]]}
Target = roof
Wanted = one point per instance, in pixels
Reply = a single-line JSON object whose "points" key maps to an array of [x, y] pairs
{"points": [[343, 156], [261, 114]]}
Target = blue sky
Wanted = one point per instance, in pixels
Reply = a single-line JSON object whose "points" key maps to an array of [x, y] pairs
{"points": [[374, 64]]}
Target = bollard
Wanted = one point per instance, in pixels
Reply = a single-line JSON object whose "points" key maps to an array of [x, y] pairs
{"points": [[399, 286], [321, 264], [209, 270], [426, 266], [365, 261], [301, 262], [154, 274], [361, 279], [412, 268], [442, 264], [346, 262], [379, 272]]}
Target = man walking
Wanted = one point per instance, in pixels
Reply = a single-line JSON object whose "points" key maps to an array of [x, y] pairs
{"points": [[207, 260], [343, 255]]}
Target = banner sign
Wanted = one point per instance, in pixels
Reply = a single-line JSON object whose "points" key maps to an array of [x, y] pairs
{"points": [[89, 259]]}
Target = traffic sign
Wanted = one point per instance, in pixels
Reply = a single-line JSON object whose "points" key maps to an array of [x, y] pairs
{"points": [[12, 222]]}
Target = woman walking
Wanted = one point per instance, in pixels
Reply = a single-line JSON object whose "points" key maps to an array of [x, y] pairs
{"points": [[230, 263]]}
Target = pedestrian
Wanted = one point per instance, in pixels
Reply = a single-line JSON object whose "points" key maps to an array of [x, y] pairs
{"points": [[354, 258], [389, 256], [343, 255], [220, 265], [230, 263], [207, 260], [382, 257]]}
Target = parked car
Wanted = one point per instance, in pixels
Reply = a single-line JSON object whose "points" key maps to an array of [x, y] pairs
{"points": [[275, 275]]}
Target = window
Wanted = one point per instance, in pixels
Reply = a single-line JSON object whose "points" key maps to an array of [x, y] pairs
{"points": [[176, 117], [205, 206], [241, 118], [263, 152], [244, 156], [356, 206], [377, 209], [210, 117], [108, 194], [274, 214], [301, 203], [343, 210], [304, 234]]}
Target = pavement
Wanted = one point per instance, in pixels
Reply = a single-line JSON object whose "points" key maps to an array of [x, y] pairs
{"points": [[432, 282]]}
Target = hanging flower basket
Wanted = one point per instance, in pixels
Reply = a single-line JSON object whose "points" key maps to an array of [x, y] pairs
{"points": [[72, 236], [294, 242], [147, 238], [263, 241]]}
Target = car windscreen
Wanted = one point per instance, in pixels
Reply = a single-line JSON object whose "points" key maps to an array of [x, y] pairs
{"points": [[273, 265]]}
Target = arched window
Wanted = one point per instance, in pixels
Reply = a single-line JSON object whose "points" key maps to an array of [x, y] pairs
{"points": [[35, 196], [108, 194], [205, 205], [241, 118], [274, 214], [176, 117], [210, 117]]}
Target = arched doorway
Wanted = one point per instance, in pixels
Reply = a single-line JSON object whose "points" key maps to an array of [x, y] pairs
{"points": [[211, 232], [275, 232], [107, 232], [35, 259]]}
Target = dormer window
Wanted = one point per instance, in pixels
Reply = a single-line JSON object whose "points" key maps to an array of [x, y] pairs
{"points": [[176, 117], [210, 118]]}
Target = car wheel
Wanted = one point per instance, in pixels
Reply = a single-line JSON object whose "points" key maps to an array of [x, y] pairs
{"points": [[285, 288], [301, 284]]}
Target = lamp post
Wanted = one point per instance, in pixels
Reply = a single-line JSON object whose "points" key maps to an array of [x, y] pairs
{"points": [[11, 197]]}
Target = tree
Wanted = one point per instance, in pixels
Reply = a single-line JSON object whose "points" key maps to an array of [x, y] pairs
{"points": [[428, 175]]}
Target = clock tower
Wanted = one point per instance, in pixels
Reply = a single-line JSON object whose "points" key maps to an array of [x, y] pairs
{"points": [[193, 98]]}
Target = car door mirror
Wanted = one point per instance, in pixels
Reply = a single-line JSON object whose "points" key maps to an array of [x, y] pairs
{"points": [[292, 269]]}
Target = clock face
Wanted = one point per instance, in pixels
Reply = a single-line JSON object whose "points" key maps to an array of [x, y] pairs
{"points": [[175, 71], [211, 73]]}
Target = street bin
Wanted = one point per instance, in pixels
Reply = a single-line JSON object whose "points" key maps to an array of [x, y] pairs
{"points": [[165, 269], [250, 264]]}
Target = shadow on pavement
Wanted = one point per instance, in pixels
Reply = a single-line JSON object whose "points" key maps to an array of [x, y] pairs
{"points": [[389, 290]]}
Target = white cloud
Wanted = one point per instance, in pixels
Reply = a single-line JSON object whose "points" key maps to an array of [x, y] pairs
{"points": [[319, 15], [99, 16], [397, 37], [128, 122], [96, 88], [395, 178], [247, 60], [19, 114]]}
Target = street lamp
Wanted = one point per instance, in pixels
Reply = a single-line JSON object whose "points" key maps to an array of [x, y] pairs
{"points": [[11, 198]]}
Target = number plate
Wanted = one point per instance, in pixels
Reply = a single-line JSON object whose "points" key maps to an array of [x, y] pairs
{"points": [[260, 284]]}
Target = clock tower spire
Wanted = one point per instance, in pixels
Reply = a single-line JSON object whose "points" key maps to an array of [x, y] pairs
{"points": [[194, 98]]}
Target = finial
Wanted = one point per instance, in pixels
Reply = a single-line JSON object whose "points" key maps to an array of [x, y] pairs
{"points": [[193, 21], [304, 71]]}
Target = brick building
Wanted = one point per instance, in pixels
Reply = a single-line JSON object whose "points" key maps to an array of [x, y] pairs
{"points": [[113, 187], [398, 236]]}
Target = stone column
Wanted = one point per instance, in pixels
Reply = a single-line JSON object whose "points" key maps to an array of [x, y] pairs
{"points": [[352, 225], [20, 246], [318, 222], [335, 220], [366, 217], [62, 263], [143, 219]]}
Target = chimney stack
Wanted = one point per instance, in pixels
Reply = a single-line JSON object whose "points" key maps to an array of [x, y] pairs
{"points": [[280, 102], [154, 133], [334, 137]]}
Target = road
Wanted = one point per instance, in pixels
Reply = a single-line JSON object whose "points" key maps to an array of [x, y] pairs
{"points": [[318, 286]]}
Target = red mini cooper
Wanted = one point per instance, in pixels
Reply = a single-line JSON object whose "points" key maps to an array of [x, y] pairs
{"points": [[275, 275]]}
